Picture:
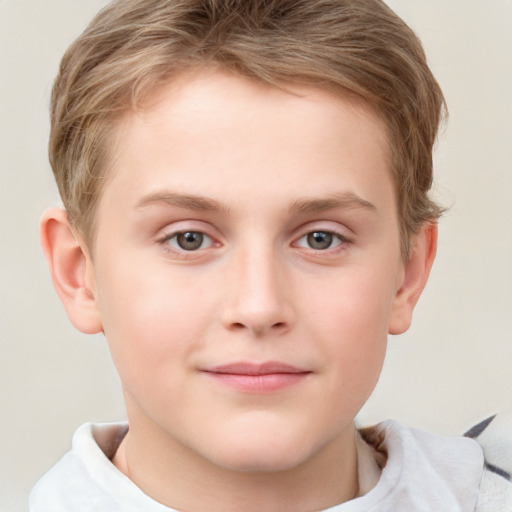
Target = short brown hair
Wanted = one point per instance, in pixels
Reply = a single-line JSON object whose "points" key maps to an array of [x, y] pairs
{"points": [[133, 46]]}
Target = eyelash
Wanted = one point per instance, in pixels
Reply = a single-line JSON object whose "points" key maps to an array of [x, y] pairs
{"points": [[171, 243], [167, 240], [342, 240]]}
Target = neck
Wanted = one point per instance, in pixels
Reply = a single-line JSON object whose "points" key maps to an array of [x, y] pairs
{"points": [[180, 478]]}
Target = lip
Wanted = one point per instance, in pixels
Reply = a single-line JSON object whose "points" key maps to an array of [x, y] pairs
{"points": [[265, 377]]}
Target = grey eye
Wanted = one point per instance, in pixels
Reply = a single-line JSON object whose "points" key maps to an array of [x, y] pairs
{"points": [[320, 240], [190, 240]]}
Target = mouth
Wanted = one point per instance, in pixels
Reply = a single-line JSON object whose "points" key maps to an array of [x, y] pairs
{"points": [[257, 378]]}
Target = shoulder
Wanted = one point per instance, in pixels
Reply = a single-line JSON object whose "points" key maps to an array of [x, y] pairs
{"points": [[74, 482], [494, 435], [423, 470], [67, 487], [85, 479], [404, 442]]}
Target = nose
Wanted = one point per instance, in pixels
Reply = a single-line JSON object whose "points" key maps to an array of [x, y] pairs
{"points": [[258, 295]]}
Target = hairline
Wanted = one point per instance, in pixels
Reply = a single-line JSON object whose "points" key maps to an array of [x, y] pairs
{"points": [[143, 102]]}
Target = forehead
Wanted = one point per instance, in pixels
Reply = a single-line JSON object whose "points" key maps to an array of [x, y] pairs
{"points": [[212, 131], [217, 99]]}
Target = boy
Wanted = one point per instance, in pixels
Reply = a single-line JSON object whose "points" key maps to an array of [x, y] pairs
{"points": [[247, 218]]}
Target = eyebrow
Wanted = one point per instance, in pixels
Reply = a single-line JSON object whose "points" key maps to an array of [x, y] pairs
{"points": [[346, 200], [189, 202]]}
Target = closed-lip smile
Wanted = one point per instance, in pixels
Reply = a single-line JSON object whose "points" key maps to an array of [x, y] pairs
{"points": [[250, 377]]}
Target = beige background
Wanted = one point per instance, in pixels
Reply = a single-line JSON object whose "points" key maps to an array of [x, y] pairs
{"points": [[451, 369]]}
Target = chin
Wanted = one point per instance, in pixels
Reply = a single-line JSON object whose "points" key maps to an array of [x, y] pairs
{"points": [[264, 450]]}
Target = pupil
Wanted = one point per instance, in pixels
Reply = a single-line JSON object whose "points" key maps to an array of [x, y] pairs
{"points": [[190, 241], [320, 240]]}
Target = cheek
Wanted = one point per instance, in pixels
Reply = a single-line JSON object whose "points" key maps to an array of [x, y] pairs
{"points": [[152, 323], [354, 305], [351, 318]]}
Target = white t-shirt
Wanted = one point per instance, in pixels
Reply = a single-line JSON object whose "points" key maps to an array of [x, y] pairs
{"points": [[423, 472]]}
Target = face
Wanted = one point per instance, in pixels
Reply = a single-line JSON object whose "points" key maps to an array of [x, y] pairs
{"points": [[246, 264]]}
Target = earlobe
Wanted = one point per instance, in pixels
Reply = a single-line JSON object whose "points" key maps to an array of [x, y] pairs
{"points": [[71, 270], [416, 272]]}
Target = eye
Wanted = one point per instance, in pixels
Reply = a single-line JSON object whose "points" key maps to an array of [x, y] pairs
{"points": [[188, 241], [321, 240]]}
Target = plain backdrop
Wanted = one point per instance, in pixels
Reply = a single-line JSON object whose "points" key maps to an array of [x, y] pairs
{"points": [[450, 370]]}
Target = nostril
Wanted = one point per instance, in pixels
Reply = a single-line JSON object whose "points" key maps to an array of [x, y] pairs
{"points": [[260, 329]]}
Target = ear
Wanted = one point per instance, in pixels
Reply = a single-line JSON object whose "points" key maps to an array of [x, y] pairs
{"points": [[416, 272], [71, 270]]}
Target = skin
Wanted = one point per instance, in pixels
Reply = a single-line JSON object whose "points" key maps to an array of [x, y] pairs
{"points": [[255, 170]]}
